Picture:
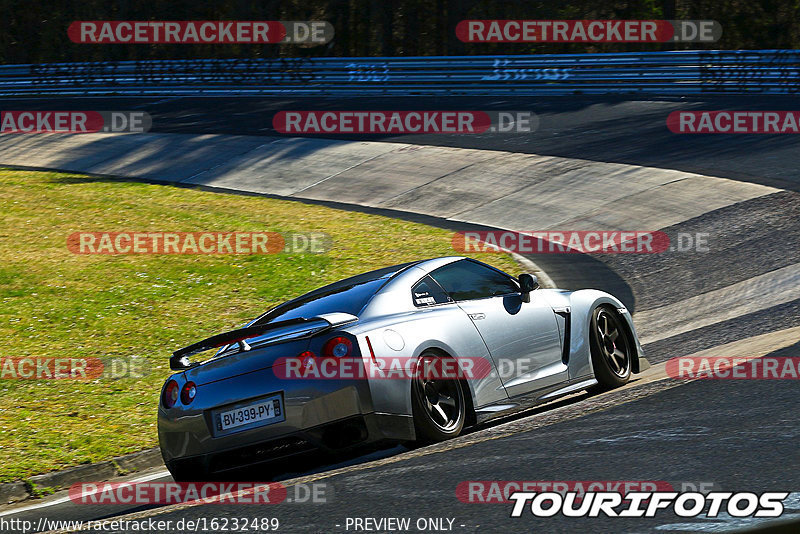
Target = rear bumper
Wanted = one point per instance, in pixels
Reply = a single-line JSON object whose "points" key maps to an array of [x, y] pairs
{"points": [[336, 436], [319, 415]]}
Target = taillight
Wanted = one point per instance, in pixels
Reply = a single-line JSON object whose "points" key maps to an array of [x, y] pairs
{"points": [[338, 347], [188, 392], [170, 394]]}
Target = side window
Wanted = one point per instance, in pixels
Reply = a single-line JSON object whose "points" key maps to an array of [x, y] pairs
{"points": [[466, 280], [427, 292]]}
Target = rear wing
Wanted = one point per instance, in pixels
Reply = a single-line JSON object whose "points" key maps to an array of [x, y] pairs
{"points": [[279, 331]]}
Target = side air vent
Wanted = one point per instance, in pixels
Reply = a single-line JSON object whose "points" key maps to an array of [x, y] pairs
{"points": [[566, 313]]}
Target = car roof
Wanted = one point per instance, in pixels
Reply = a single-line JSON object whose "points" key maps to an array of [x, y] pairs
{"points": [[434, 263]]}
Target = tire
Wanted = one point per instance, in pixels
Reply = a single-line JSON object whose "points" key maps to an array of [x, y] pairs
{"points": [[439, 405], [611, 349]]}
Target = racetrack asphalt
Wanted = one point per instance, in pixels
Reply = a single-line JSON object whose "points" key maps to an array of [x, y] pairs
{"points": [[616, 129], [671, 436]]}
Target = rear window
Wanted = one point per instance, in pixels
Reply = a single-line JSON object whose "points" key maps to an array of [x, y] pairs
{"points": [[349, 296]]}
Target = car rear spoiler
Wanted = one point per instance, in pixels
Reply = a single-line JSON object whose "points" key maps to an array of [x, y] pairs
{"points": [[281, 331]]}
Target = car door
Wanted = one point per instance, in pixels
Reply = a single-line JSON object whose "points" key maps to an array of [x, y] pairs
{"points": [[522, 337], [444, 320]]}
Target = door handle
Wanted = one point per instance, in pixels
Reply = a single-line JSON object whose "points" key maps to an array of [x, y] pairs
{"points": [[477, 316]]}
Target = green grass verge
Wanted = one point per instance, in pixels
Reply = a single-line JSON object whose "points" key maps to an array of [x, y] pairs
{"points": [[56, 303]]}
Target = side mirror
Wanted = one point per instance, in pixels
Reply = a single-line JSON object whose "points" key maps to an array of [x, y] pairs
{"points": [[527, 283]]}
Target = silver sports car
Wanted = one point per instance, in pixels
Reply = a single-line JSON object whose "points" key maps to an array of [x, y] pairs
{"points": [[416, 351]]}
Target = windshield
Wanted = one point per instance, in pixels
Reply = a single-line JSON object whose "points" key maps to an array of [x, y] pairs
{"points": [[349, 296]]}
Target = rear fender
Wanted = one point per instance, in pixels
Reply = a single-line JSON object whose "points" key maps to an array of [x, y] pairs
{"points": [[445, 329]]}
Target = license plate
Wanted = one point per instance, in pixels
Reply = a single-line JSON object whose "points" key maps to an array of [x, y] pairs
{"points": [[263, 411]]}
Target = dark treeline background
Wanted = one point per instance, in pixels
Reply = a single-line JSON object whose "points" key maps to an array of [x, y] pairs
{"points": [[36, 31]]}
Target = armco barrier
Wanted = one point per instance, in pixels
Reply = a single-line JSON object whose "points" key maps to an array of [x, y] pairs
{"points": [[680, 72]]}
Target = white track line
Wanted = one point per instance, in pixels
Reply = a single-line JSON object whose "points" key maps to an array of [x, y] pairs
{"points": [[62, 500], [742, 298]]}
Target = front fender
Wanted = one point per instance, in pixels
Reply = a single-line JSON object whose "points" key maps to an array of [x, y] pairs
{"points": [[581, 304]]}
